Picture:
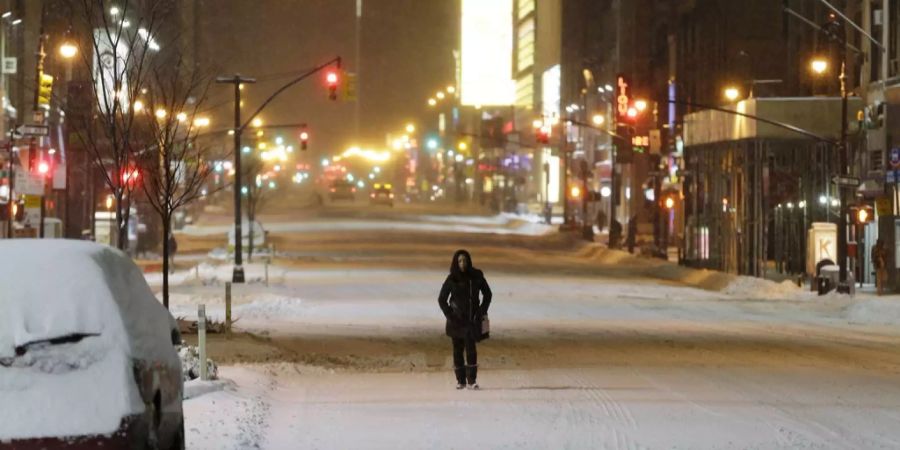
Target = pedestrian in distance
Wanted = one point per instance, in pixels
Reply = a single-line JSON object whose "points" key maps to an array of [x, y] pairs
{"points": [[632, 234], [173, 247], [466, 315], [879, 261]]}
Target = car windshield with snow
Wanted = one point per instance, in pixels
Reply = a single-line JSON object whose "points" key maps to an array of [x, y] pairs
{"points": [[86, 351]]}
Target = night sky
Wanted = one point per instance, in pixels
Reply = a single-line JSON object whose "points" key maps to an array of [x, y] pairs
{"points": [[406, 55]]}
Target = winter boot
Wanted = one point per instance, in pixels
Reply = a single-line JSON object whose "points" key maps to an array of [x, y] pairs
{"points": [[460, 377], [471, 374]]}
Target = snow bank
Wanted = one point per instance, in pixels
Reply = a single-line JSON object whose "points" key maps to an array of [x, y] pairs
{"points": [[190, 364], [84, 386], [198, 387], [759, 288]]}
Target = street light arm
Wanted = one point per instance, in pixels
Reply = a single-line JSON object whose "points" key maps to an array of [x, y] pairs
{"points": [[307, 74]]}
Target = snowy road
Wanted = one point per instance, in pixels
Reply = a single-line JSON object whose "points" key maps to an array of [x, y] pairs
{"points": [[344, 349]]}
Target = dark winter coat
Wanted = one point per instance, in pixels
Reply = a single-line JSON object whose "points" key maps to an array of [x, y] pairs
{"points": [[459, 299]]}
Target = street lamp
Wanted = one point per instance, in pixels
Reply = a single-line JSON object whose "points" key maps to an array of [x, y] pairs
{"points": [[732, 93], [819, 65], [256, 123], [410, 128], [432, 102], [598, 119], [440, 95], [68, 50]]}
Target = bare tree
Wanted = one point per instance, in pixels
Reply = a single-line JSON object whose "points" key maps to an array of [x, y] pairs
{"points": [[174, 169], [118, 61]]}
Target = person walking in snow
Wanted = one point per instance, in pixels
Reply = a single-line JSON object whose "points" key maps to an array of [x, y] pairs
{"points": [[879, 261], [459, 301]]}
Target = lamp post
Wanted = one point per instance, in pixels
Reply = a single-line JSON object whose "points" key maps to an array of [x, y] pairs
{"points": [[237, 80], [834, 30]]}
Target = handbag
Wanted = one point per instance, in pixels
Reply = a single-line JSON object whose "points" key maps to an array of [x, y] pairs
{"points": [[485, 327]]}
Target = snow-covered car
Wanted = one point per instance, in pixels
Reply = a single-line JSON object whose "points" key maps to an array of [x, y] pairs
{"points": [[86, 351]]}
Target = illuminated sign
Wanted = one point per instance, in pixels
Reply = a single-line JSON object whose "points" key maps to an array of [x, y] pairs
{"points": [[622, 97], [640, 141], [487, 51], [550, 92]]}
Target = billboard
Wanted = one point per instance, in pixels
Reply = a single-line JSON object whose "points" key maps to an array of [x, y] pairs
{"points": [[487, 49]]}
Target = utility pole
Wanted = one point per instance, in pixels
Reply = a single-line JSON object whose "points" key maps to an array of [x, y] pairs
{"points": [[843, 170], [237, 80]]}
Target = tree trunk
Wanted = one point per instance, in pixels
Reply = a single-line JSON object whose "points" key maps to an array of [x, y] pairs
{"points": [[165, 268]]}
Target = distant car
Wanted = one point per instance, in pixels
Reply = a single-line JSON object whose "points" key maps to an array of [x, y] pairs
{"points": [[87, 360], [342, 190], [382, 194]]}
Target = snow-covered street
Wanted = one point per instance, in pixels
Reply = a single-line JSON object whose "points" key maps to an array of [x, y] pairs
{"points": [[590, 349]]}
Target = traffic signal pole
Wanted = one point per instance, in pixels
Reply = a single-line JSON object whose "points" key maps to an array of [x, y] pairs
{"points": [[237, 275], [237, 80]]}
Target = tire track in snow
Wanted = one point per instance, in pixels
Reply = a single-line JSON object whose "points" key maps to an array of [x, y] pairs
{"points": [[600, 401]]}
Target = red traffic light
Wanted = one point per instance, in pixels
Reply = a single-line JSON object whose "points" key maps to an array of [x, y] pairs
{"points": [[304, 139], [332, 79], [130, 176], [43, 167]]}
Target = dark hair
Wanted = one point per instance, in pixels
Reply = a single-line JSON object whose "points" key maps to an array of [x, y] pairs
{"points": [[454, 264]]}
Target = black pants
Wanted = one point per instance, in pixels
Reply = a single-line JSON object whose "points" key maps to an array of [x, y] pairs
{"points": [[466, 370]]}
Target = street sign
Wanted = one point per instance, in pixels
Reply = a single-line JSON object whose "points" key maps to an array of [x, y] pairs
{"points": [[845, 181], [890, 177], [10, 65], [33, 130]]}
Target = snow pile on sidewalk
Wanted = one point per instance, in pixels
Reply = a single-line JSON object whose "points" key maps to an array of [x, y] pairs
{"points": [[762, 289], [198, 387], [190, 364]]}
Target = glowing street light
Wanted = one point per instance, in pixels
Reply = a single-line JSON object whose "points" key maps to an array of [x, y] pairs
{"points": [[819, 65], [160, 113], [598, 119], [440, 95], [181, 117], [114, 11], [640, 105], [732, 93], [68, 50], [432, 102], [257, 122], [451, 89], [201, 122], [410, 128], [138, 105], [632, 112]]}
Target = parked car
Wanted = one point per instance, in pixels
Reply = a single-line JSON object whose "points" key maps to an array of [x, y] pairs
{"points": [[87, 360], [382, 194], [342, 190]]}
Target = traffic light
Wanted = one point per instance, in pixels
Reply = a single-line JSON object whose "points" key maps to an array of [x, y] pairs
{"points": [[332, 80], [130, 176], [863, 214], [669, 202], [45, 91], [304, 140], [542, 134]]}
